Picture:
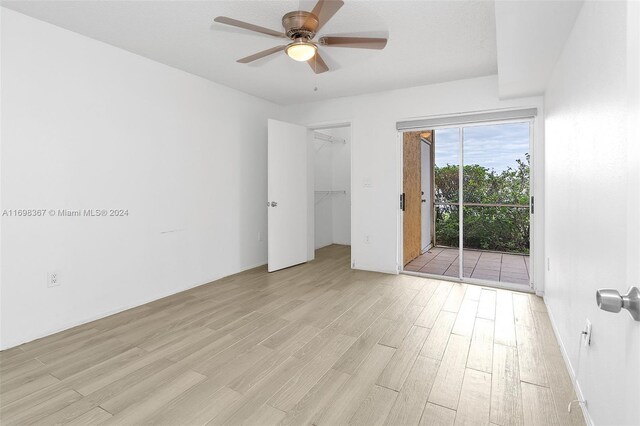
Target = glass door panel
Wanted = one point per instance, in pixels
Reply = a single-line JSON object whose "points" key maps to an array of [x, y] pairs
{"points": [[496, 182], [443, 257]]}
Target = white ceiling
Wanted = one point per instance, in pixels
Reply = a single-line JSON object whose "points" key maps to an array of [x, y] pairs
{"points": [[429, 42], [530, 38]]}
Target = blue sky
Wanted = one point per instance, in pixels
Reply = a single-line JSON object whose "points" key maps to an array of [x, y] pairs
{"points": [[495, 146]]}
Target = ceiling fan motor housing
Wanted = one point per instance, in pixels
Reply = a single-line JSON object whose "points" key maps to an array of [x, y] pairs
{"points": [[300, 24]]}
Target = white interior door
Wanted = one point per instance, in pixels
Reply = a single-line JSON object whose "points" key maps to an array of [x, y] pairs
{"points": [[289, 217], [425, 220]]}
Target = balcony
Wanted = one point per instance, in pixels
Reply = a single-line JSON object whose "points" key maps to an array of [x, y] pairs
{"points": [[478, 264]]}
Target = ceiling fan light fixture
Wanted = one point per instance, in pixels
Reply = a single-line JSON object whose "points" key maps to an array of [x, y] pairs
{"points": [[301, 50]]}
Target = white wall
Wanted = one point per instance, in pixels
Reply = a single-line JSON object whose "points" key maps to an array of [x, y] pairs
{"points": [[89, 126], [589, 207], [376, 160]]}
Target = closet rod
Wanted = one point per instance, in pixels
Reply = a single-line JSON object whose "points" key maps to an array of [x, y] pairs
{"points": [[332, 192], [327, 138]]}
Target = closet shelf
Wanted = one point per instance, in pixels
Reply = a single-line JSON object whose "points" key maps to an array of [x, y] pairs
{"points": [[327, 138]]}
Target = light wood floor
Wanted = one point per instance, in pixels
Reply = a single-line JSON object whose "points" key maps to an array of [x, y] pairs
{"points": [[314, 344]]}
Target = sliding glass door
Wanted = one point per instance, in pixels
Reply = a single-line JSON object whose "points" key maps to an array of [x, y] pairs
{"points": [[495, 202], [481, 203]]}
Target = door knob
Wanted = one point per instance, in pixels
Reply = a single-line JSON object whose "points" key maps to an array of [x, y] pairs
{"points": [[274, 204], [610, 300]]}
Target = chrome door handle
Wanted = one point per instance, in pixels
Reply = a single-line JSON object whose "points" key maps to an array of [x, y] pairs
{"points": [[610, 300], [274, 204]]}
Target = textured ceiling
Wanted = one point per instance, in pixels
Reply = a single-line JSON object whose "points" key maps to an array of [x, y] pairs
{"points": [[429, 42]]}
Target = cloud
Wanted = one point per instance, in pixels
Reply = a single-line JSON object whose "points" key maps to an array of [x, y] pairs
{"points": [[495, 146]]}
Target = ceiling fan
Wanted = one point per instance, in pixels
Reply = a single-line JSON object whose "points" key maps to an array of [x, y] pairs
{"points": [[301, 27]]}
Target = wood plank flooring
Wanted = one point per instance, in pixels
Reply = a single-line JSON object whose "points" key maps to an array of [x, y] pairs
{"points": [[317, 344]]}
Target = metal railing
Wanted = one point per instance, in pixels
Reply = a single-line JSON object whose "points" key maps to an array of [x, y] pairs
{"points": [[452, 213], [518, 206]]}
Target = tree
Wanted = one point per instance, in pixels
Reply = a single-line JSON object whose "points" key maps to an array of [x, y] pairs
{"points": [[487, 228]]}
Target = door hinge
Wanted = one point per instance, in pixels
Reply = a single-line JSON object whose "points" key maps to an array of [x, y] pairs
{"points": [[532, 204], [402, 201]]}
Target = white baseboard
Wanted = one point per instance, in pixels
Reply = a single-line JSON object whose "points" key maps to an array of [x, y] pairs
{"points": [[572, 374], [374, 269]]}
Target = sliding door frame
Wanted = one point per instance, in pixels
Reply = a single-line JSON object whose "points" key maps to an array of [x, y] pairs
{"points": [[532, 222]]}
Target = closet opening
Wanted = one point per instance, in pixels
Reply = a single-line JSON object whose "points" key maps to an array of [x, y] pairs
{"points": [[332, 192]]}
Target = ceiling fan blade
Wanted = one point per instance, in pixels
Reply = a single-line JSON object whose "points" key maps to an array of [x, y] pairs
{"points": [[317, 64], [324, 10], [355, 42], [245, 25], [262, 54]]}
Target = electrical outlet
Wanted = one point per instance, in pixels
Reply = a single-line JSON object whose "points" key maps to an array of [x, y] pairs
{"points": [[586, 334], [367, 239], [53, 279], [259, 236]]}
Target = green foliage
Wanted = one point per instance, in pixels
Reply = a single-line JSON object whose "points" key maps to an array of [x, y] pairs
{"points": [[503, 229]]}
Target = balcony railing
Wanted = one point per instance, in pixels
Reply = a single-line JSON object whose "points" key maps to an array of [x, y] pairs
{"points": [[500, 227]]}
